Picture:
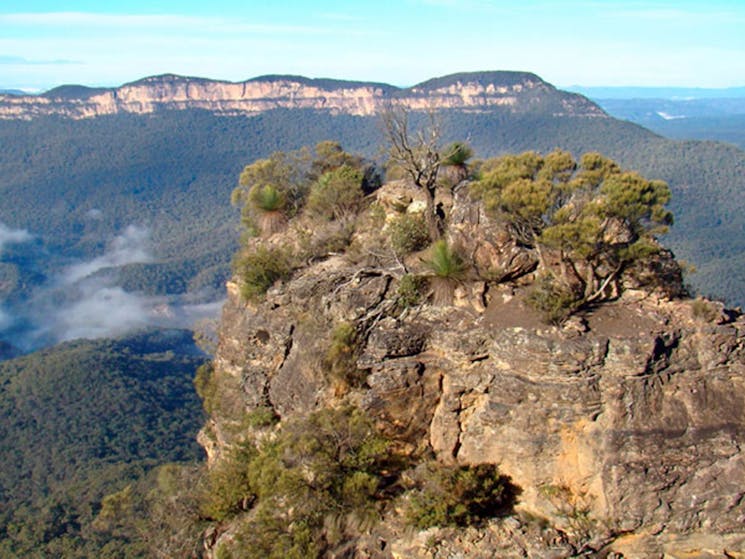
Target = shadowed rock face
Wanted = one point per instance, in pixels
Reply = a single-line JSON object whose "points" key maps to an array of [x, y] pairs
{"points": [[624, 428], [514, 91]]}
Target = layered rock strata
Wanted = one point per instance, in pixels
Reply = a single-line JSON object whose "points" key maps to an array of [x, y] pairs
{"points": [[513, 91]]}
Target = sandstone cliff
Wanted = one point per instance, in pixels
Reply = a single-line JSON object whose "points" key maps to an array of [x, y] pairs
{"points": [[514, 91], [622, 429]]}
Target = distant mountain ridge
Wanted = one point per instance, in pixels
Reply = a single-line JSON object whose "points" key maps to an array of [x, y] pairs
{"points": [[518, 91]]}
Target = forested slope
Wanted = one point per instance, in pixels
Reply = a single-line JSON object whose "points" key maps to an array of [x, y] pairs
{"points": [[82, 420]]}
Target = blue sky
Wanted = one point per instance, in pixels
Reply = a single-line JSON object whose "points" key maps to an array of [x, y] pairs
{"points": [[45, 43]]}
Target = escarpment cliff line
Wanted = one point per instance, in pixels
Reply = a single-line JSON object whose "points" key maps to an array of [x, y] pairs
{"points": [[514, 91]]}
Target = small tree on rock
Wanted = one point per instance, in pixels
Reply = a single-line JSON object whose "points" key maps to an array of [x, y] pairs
{"points": [[419, 156], [594, 219]]}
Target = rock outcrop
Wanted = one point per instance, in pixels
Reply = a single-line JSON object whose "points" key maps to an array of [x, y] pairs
{"points": [[623, 428], [514, 91]]}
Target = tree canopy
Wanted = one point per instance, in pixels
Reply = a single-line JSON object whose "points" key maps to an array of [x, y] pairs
{"points": [[587, 220], [273, 189]]}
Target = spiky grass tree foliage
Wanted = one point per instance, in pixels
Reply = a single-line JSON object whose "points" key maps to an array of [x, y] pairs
{"points": [[457, 154], [268, 204], [455, 162], [447, 268]]}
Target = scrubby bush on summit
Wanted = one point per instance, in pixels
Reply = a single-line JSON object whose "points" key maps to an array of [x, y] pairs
{"points": [[588, 223], [337, 194], [408, 233], [273, 190]]}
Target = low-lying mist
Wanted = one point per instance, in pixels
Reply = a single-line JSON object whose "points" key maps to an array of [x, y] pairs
{"points": [[83, 300]]}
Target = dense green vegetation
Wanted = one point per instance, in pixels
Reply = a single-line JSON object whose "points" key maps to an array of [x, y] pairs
{"points": [[310, 486], [458, 495], [327, 477], [596, 219], [83, 420]]}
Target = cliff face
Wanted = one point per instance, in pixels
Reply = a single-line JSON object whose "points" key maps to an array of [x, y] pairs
{"points": [[623, 429], [511, 90]]}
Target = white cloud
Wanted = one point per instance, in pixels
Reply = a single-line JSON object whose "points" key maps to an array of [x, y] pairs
{"points": [[8, 236], [127, 248], [104, 311], [78, 304], [21, 61], [88, 19]]}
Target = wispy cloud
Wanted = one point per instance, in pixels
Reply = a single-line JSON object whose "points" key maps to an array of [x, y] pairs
{"points": [[21, 61], [88, 19], [79, 303], [8, 236], [672, 15], [129, 247], [162, 21]]}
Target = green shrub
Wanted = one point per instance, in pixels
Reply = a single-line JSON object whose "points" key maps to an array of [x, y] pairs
{"points": [[316, 474], [410, 290], [458, 495], [341, 355], [326, 239], [574, 508], [227, 490], [205, 385], [704, 310], [262, 416], [408, 233], [555, 302], [337, 194], [259, 269]]}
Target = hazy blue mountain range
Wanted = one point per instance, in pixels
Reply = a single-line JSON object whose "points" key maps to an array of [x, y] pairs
{"points": [[721, 119]]}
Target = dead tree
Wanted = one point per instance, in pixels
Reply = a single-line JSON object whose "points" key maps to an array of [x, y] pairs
{"points": [[419, 156]]}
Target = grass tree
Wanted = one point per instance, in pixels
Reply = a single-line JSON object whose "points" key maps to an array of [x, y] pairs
{"points": [[447, 269]]}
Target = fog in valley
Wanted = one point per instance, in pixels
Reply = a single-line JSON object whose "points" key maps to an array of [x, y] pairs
{"points": [[83, 300]]}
